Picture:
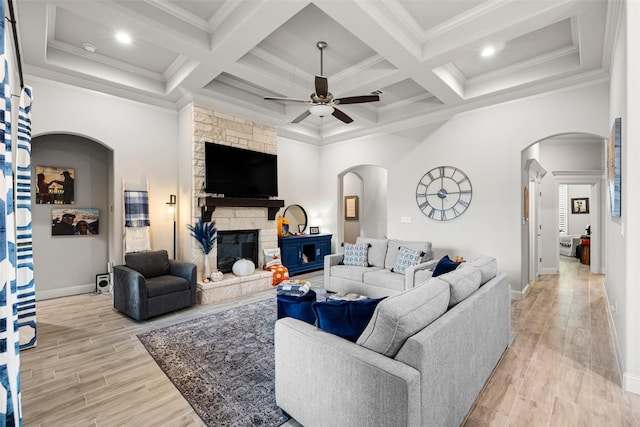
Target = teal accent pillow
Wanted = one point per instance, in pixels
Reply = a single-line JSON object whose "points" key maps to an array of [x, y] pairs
{"points": [[445, 265], [356, 254], [346, 319], [406, 258]]}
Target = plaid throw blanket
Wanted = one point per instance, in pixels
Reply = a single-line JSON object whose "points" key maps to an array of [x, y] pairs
{"points": [[136, 209]]}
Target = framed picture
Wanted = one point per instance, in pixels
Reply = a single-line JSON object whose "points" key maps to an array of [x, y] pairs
{"points": [[614, 170], [351, 208], [580, 206], [75, 222], [314, 230], [55, 185]]}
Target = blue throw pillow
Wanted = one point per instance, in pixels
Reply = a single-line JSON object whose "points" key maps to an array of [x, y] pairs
{"points": [[346, 319], [445, 265]]}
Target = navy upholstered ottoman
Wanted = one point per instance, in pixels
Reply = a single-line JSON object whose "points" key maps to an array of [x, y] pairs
{"points": [[297, 307]]}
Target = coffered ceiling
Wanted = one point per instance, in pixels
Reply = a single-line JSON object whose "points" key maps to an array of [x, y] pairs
{"points": [[422, 56]]}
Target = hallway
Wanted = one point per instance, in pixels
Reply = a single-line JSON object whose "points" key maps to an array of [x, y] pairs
{"points": [[561, 369]]}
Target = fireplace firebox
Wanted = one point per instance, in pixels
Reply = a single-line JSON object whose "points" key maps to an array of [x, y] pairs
{"points": [[234, 245]]}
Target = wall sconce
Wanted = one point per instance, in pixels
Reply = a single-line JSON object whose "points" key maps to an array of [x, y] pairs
{"points": [[171, 215]]}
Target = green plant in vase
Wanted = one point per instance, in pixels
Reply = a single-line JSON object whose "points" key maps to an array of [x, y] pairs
{"points": [[205, 234]]}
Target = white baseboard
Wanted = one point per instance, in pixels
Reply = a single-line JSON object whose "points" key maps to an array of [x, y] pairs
{"points": [[631, 383], [549, 271], [65, 292], [520, 295]]}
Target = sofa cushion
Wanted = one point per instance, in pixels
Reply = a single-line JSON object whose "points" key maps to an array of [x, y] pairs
{"points": [[351, 273], [445, 265], [488, 268], [394, 247], [347, 319], [463, 281], [148, 263], [384, 279], [400, 316], [355, 254], [377, 250], [406, 258]]}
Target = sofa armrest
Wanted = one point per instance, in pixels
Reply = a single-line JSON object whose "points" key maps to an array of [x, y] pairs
{"points": [[330, 261], [188, 271], [322, 379], [410, 272], [130, 292]]}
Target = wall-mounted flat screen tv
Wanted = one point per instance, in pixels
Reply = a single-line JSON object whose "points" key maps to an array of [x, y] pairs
{"points": [[236, 172]]}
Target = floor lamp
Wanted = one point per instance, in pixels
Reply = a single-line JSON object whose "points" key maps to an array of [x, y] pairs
{"points": [[171, 214]]}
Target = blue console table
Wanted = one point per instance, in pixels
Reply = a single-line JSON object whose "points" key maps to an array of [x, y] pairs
{"points": [[304, 253]]}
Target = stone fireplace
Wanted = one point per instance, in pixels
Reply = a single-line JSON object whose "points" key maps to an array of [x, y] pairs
{"points": [[212, 126]]}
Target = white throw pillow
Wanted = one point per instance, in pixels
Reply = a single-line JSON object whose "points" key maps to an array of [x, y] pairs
{"points": [[272, 257]]}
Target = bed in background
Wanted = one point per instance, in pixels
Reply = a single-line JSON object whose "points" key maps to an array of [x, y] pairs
{"points": [[568, 244]]}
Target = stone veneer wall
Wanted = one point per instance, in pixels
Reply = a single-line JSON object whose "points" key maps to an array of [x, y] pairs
{"points": [[212, 126]]}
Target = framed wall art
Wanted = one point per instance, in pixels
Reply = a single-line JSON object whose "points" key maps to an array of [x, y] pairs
{"points": [[314, 230], [75, 222], [55, 185], [614, 168], [580, 205], [351, 208]]}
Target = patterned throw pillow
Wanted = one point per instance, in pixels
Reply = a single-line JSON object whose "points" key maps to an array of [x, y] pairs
{"points": [[272, 257], [356, 254], [406, 258]]}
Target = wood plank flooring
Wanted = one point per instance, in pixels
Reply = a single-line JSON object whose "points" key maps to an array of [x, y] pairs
{"points": [[89, 369]]}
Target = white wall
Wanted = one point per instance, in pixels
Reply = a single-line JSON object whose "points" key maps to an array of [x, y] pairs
{"points": [[486, 144], [143, 140]]}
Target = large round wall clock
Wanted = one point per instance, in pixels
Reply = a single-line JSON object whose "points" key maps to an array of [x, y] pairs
{"points": [[444, 193]]}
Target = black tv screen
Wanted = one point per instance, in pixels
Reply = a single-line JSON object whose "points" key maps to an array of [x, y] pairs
{"points": [[235, 172]]}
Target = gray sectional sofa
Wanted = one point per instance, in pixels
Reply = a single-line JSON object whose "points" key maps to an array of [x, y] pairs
{"points": [[422, 360], [377, 280]]}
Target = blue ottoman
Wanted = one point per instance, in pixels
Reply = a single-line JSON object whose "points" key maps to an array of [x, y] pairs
{"points": [[297, 307]]}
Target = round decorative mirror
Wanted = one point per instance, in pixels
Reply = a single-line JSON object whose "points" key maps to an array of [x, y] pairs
{"points": [[297, 217]]}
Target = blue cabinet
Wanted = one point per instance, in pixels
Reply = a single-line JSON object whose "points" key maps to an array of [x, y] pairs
{"points": [[304, 253]]}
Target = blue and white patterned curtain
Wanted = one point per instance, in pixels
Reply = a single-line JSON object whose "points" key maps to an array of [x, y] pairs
{"points": [[24, 236], [9, 341]]}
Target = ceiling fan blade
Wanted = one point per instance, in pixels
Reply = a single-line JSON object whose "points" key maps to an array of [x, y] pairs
{"points": [[322, 86], [301, 117], [275, 98], [357, 99], [341, 116]]}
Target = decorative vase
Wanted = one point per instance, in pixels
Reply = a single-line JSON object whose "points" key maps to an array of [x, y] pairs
{"points": [[207, 267], [216, 276], [243, 267]]}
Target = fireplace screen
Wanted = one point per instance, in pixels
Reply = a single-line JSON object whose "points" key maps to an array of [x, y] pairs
{"points": [[234, 245]]}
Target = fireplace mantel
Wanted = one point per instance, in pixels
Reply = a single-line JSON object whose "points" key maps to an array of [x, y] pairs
{"points": [[208, 205]]}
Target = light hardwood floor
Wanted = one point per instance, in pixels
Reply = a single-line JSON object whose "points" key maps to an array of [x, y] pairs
{"points": [[89, 369]]}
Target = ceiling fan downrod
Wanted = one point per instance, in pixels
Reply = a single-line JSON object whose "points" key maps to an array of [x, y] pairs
{"points": [[322, 46]]}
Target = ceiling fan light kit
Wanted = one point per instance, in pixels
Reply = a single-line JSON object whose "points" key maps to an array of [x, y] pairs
{"points": [[322, 102], [321, 110]]}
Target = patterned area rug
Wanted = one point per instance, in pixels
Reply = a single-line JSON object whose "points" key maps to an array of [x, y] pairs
{"points": [[223, 364]]}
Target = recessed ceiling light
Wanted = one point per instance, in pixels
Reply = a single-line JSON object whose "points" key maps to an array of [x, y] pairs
{"points": [[89, 47], [123, 38], [488, 51]]}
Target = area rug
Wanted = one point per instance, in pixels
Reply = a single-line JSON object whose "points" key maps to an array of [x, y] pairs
{"points": [[223, 364]]}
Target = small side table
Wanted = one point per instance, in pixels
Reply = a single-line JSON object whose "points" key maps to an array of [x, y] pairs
{"points": [[586, 249], [297, 307]]}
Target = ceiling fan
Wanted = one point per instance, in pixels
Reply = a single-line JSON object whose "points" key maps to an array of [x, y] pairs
{"points": [[322, 102]]}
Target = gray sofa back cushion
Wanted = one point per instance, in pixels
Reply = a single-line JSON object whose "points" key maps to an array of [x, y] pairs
{"points": [[394, 248], [462, 282], [488, 268], [398, 317], [149, 263], [377, 250]]}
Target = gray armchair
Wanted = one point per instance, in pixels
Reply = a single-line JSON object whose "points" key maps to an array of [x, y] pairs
{"points": [[151, 284]]}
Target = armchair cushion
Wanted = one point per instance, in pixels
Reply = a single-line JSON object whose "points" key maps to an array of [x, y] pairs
{"points": [[148, 263], [166, 284]]}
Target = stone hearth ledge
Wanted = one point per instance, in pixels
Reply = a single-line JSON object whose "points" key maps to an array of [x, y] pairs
{"points": [[232, 286]]}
